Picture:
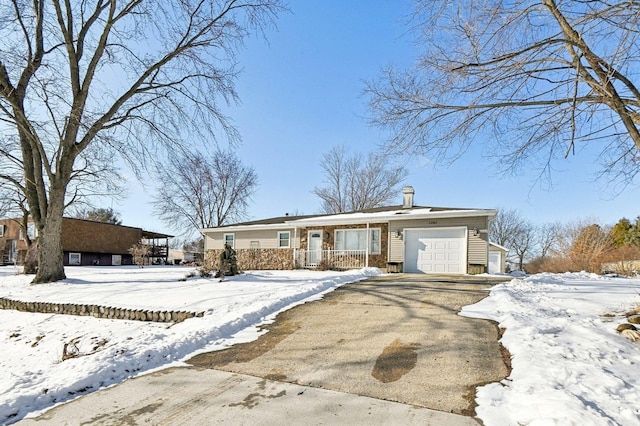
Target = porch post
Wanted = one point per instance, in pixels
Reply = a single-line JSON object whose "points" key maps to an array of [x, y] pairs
{"points": [[366, 259], [295, 248]]}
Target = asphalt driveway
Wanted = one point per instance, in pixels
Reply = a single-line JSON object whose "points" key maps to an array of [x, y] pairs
{"points": [[394, 337], [387, 350]]}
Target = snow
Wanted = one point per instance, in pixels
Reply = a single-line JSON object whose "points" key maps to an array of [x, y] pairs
{"points": [[570, 366], [33, 376]]}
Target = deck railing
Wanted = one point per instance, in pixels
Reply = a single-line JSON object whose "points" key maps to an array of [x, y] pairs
{"points": [[331, 259]]}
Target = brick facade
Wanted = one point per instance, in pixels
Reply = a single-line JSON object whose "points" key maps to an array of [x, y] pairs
{"points": [[11, 239], [255, 259]]}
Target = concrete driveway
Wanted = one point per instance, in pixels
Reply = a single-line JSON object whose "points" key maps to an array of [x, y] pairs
{"points": [[387, 350], [394, 337]]}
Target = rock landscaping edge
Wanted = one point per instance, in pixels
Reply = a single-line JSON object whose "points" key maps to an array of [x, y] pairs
{"points": [[98, 311]]}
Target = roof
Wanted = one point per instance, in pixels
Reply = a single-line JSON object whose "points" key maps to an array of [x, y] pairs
{"points": [[498, 246], [152, 235], [378, 214], [145, 234]]}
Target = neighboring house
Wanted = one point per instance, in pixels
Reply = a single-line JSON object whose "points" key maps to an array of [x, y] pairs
{"points": [[180, 256], [624, 267], [404, 238], [85, 242], [497, 258]]}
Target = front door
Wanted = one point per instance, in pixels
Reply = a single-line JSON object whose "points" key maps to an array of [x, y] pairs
{"points": [[314, 248]]}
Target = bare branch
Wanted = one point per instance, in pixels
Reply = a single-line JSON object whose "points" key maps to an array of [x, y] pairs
{"points": [[527, 80], [355, 183]]}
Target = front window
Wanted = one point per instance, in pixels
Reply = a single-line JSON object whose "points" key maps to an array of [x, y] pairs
{"points": [[1, 230], [284, 239], [74, 258], [230, 239], [356, 239]]}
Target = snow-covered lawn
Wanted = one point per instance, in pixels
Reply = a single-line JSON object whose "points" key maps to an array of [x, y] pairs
{"points": [[33, 376], [570, 366]]}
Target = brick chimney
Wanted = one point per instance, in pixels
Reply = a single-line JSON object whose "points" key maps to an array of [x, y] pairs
{"points": [[407, 197]]}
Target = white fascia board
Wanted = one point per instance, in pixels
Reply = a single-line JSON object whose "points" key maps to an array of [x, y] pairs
{"points": [[498, 246], [232, 228], [363, 218], [445, 214], [358, 218]]}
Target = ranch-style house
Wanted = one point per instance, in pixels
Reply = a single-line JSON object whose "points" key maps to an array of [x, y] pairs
{"points": [[401, 238]]}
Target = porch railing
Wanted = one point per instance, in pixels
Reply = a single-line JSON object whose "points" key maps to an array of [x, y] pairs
{"points": [[331, 259]]}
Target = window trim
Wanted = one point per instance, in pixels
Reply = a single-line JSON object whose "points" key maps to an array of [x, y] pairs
{"points": [[233, 240], [79, 259], [369, 238], [2, 231], [288, 239]]}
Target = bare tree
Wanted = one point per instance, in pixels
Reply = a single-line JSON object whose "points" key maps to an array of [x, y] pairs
{"points": [[203, 191], [353, 182], [126, 75], [535, 79], [523, 242], [140, 251], [547, 237], [505, 225], [511, 230]]}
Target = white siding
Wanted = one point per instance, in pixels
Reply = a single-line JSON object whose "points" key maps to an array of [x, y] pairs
{"points": [[243, 239]]}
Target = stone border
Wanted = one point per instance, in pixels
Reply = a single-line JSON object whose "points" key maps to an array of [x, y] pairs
{"points": [[98, 311]]}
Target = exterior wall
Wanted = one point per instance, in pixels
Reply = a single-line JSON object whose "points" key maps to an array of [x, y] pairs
{"points": [[268, 256], [503, 257], [84, 236], [254, 259], [477, 246], [266, 239], [328, 240], [391, 246], [11, 232], [95, 241], [97, 259]]}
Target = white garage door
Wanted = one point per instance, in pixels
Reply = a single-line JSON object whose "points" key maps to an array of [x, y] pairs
{"points": [[435, 251]]}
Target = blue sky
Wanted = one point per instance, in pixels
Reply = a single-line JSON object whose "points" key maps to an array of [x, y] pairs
{"points": [[301, 93]]}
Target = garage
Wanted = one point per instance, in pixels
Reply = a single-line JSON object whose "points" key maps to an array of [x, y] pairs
{"points": [[436, 251]]}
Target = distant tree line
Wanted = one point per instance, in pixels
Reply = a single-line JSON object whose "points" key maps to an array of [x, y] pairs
{"points": [[581, 245]]}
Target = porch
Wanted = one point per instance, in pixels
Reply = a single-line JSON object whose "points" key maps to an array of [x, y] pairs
{"points": [[331, 259]]}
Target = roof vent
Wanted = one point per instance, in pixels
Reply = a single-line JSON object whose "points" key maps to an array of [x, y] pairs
{"points": [[407, 197]]}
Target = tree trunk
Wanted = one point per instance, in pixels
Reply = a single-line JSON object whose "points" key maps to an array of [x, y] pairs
{"points": [[31, 259], [50, 255]]}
